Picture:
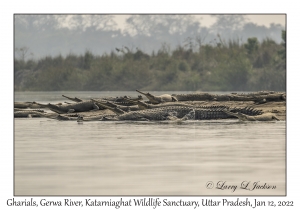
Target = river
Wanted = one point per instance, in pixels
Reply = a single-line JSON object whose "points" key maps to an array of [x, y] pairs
{"points": [[212, 157]]}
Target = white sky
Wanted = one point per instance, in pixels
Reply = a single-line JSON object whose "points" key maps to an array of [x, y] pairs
{"points": [[208, 20]]}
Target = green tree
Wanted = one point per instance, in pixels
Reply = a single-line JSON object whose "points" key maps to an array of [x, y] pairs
{"points": [[283, 51], [251, 45]]}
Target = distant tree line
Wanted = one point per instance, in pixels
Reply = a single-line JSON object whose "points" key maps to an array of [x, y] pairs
{"points": [[224, 65], [65, 34]]}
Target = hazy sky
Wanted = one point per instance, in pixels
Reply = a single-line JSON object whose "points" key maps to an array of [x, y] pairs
{"points": [[208, 20]]}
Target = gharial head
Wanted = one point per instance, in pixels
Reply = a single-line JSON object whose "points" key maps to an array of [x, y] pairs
{"points": [[55, 108], [241, 116], [153, 99], [159, 99], [114, 109], [140, 104], [79, 119], [108, 104], [146, 94], [134, 99], [174, 98], [34, 104]]}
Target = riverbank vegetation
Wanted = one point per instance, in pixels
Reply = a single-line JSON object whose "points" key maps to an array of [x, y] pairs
{"points": [[222, 65]]}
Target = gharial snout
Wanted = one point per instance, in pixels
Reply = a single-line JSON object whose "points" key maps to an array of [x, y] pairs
{"points": [[141, 92]]}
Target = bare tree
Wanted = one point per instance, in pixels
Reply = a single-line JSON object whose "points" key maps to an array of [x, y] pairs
{"points": [[22, 52], [158, 24], [200, 40], [228, 23]]}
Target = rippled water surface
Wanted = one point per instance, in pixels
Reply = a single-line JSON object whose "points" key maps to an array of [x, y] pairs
{"points": [[146, 158]]}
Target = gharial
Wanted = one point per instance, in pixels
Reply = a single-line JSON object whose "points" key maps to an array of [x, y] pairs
{"points": [[244, 117], [158, 99], [169, 112], [74, 107]]}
